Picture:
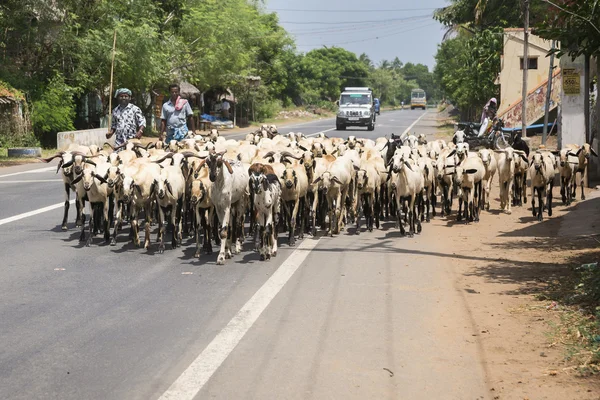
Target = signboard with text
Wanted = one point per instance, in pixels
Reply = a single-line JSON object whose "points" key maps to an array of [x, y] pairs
{"points": [[571, 81]]}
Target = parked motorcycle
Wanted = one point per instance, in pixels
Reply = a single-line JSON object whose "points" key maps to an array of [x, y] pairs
{"points": [[493, 138]]}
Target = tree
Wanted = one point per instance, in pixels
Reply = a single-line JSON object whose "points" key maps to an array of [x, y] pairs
{"points": [[326, 71], [466, 68], [576, 26]]}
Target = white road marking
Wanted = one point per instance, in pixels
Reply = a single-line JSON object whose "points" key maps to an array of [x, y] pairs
{"points": [[191, 381], [414, 123], [315, 134], [34, 212], [33, 171], [34, 181], [234, 135]]}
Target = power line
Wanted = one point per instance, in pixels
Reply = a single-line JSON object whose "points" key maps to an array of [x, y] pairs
{"points": [[366, 39], [353, 22], [352, 28], [369, 30], [352, 11]]}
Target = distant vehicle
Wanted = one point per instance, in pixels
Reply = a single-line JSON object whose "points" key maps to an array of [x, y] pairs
{"points": [[418, 99], [355, 108], [377, 106]]}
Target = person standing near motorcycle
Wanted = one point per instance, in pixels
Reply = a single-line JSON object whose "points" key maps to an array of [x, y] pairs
{"points": [[488, 115]]}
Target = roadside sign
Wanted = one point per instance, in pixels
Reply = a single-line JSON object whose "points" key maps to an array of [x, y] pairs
{"points": [[571, 81]]}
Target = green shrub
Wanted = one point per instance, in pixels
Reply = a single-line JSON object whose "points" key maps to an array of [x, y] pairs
{"points": [[27, 139], [267, 109], [54, 112]]}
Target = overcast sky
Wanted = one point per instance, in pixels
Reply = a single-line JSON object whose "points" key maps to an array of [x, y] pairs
{"points": [[383, 29]]}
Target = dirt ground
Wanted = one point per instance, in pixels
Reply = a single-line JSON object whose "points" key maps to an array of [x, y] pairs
{"points": [[501, 265]]}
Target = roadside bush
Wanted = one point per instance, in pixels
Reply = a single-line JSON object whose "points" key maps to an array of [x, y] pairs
{"points": [[267, 109], [27, 139], [54, 112]]}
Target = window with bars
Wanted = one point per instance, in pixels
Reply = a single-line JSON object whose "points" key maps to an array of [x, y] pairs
{"points": [[532, 63]]}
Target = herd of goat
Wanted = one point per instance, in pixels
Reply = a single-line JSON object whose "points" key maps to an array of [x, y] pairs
{"points": [[297, 183]]}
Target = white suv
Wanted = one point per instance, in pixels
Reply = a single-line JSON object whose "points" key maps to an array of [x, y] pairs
{"points": [[356, 108]]}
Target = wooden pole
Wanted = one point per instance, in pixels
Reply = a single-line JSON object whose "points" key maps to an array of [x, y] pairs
{"points": [[548, 95], [112, 67], [525, 69]]}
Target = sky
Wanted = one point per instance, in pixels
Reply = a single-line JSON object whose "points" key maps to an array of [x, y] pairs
{"points": [[383, 29]]}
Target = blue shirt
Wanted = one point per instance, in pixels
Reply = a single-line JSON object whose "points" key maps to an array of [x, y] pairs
{"points": [[175, 119]]}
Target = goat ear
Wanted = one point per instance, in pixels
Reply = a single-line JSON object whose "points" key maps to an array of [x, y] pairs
{"points": [[325, 152], [408, 165], [335, 179], [77, 179], [265, 185], [471, 171], [89, 162], [579, 151], [60, 163], [169, 187], [594, 152], [453, 152], [302, 148], [228, 166], [356, 168], [316, 181], [524, 157], [67, 164]]}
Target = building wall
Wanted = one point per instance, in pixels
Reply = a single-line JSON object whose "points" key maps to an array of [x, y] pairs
{"points": [[572, 121], [511, 74]]}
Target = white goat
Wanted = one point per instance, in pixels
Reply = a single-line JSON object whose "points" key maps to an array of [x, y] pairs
{"points": [[541, 174]]}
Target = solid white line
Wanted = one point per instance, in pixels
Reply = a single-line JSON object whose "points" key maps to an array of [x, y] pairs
{"points": [[286, 126], [191, 381], [414, 123], [315, 134], [32, 213], [34, 181], [33, 171]]}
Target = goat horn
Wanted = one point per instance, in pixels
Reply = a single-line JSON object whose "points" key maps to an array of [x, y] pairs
{"points": [[109, 145], [46, 160], [269, 154], [288, 154], [168, 155], [120, 147]]}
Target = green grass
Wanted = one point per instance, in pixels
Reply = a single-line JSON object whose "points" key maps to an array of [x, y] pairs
{"points": [[577, 294]]}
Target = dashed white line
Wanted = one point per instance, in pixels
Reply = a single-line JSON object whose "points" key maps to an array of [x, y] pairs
{"points": [[191, 381], [33, 171], [32, 213]]}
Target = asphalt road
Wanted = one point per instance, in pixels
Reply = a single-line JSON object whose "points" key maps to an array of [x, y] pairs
{"points": [[367, 316]]}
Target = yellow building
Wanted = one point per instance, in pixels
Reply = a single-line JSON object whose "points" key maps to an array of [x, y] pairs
{"points": [[510, 78]]}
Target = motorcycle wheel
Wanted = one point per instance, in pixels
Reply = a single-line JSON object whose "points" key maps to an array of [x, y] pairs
{"points": [[500, 143]]}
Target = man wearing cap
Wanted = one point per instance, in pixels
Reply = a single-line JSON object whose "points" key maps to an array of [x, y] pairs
{"points": [[127, 119]]}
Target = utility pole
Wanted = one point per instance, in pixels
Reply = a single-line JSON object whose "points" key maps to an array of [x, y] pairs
{"points": [[548, 94], [525, 67]]}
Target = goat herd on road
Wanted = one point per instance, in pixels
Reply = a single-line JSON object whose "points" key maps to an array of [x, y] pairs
{"points": [[297, 183]]}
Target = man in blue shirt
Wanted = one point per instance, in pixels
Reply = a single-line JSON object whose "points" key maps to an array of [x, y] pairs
{"points": [[176, 116]]}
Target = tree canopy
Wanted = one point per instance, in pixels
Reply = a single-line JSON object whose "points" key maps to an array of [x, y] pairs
{"points": [[58, 51]]}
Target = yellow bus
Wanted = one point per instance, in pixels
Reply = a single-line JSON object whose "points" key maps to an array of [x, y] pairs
{"points": [[418, 99]]}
